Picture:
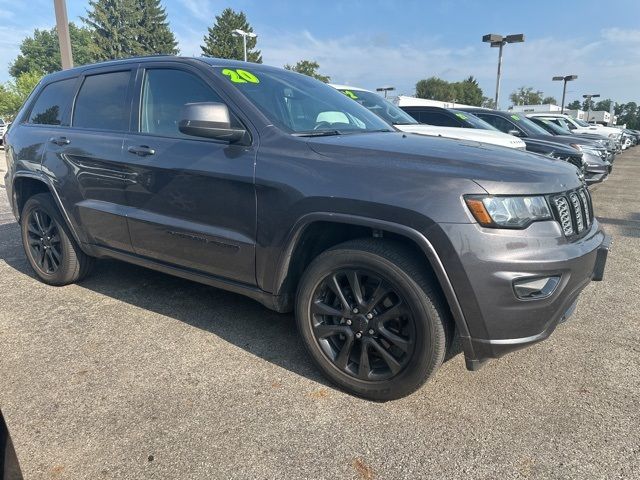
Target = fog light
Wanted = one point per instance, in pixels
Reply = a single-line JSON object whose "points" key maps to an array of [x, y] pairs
{"points": [[535, 288]]}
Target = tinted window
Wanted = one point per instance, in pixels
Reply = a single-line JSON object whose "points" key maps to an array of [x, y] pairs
{"points": [[500, 123], [438, 118], [102, 102], [51, 103], [164, 94]]}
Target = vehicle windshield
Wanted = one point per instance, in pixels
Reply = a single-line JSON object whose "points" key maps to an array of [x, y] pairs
{"points": [[472, 121], [528, 126], [582, 123], [552, 127], [300, 104], [381, 107]]}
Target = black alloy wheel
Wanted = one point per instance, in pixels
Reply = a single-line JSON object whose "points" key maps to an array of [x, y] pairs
{"points": [[363, 325], [44, 241], [49, 245], [373, 318]]}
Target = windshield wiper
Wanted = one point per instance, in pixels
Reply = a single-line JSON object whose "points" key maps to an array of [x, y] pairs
{"points": [[317, 133]]}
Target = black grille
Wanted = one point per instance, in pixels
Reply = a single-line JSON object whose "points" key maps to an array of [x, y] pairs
{"points": [[573, 210]]}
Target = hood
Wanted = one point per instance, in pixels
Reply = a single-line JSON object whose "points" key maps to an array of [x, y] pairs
{"points": [[546, 145], [497, 170], [473, 134], [569, 139]]}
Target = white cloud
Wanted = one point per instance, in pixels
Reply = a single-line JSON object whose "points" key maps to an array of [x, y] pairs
{"points": [[601, 63], [621, 35]]}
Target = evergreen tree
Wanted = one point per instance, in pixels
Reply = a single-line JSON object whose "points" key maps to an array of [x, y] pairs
{"points": [[219, 41], [126, 28], [155, 35], [114, 25], [310, 68], [41, 52]]}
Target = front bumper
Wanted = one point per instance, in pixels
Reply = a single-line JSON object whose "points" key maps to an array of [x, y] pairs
{"points": [[485, 266]]}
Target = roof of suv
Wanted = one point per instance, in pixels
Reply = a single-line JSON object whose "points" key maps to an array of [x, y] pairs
{"points": [[218, 62]]}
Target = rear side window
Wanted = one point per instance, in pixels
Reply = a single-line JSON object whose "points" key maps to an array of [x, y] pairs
{"points": [[437, 118], [51, 103], [164, 94], [102, 102]]}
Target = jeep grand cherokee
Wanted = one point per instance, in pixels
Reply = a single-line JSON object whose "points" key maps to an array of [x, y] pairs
{"points": [[274, 185]]}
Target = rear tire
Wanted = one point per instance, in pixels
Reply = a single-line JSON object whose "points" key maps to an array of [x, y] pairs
{"points": [[381, 346], [52, 252]]}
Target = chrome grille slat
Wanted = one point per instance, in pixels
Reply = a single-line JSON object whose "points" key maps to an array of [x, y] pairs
{"points": [[573, 211], [565, 215], [577, 211], [585, 205]]}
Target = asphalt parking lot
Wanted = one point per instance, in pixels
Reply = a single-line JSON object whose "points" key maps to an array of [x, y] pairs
{"points": [[136, 374]]}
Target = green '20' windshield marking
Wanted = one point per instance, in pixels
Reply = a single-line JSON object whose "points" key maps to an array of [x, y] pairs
{"points": [[240, 76], [350, 94], [515, 117]]}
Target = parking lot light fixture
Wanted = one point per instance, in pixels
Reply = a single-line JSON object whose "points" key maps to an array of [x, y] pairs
{"points": [[241, 33], [385, 90], [500, 41], [588, 97], [565, 79]]}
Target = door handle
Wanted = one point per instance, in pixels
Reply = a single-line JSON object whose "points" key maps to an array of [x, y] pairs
{"points": [[141, 150], [60, 141]]}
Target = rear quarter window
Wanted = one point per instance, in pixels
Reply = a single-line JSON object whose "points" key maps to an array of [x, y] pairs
{"points": [[52, 103]]}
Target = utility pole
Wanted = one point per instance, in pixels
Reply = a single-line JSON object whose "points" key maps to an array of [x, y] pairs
{"points": [[62, 25]]}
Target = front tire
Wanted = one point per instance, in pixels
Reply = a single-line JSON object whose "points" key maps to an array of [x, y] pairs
{"points": [[50, 249], [372, 318]]}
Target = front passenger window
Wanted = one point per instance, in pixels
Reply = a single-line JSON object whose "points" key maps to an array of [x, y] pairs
{"points": [[164, 93]]}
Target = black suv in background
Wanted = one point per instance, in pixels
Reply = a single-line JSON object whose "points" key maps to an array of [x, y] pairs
{"points": [[272, 184]]}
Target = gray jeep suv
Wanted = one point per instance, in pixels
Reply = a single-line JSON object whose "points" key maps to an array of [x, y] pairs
{"points": [[269, 183]]}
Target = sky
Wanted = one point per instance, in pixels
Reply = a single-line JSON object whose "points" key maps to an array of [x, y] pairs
{"points": [[377, 43]]}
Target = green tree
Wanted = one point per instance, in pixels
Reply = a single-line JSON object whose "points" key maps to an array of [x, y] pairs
{"points": [[468, 92], [14, 93], [603, 105], [126, 28], [575, 105], [220, 42], [488, 102], [435, 88], [155, 36], [41, 52], [526, 96], [310, 68], [549, 100], [629, 115]]}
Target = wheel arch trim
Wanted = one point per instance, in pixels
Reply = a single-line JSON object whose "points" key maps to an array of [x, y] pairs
{"points": [[412, 234], [54, 193]]}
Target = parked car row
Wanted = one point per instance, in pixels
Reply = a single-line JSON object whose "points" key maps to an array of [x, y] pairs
{"points": [[591, 153], [391, 247]]}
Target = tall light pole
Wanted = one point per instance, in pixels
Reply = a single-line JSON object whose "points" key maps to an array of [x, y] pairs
{"points": [[62, 25], [566, 78], [499, 41], [589, 97], [241, 33], [385, 90]]}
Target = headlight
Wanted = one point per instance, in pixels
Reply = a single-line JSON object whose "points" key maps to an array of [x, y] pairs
{"points": [[508, 212]]}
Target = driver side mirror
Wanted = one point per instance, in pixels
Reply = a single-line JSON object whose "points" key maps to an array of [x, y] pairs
{"points": [[209, 120], [515, 133]]}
